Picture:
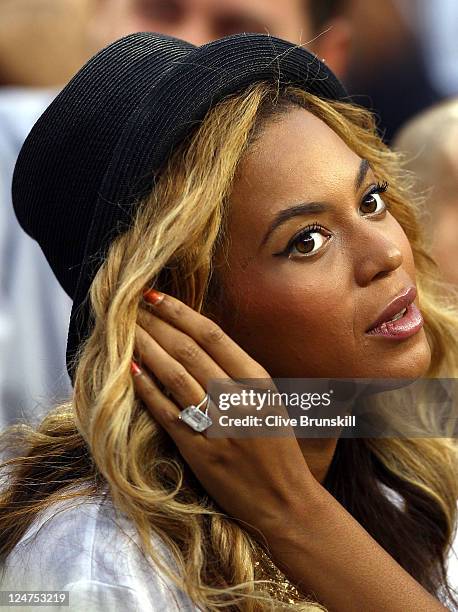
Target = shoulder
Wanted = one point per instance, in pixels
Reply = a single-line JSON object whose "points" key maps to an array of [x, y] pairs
{"points": [[86, 547]]}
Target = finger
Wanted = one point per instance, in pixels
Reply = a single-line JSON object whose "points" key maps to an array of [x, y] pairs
{"points": [[163, 410], [174, 376], [182, 348], [225, 351]]}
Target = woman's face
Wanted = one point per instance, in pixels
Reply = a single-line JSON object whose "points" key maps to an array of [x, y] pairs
{"points": [[306, 313]]}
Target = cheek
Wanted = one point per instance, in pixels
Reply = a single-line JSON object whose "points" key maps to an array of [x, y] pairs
{"points": [[409, 262], [290, 322], [402, 242]]}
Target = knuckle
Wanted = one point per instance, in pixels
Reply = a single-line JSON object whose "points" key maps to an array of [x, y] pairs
{"points": [[169, 418], [176, 378], [176, 311], [217, 455], [213, 334], [189, 351]]}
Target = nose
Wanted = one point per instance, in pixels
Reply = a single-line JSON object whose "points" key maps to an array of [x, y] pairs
{"points": [[377, 256]]}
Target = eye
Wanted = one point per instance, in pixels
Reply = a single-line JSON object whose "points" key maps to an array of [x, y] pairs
{"points": [[308, 241], [373, 203], [232, 24]]}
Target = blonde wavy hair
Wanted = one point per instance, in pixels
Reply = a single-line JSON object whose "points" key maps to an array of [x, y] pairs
{"points": [[105, 437]]}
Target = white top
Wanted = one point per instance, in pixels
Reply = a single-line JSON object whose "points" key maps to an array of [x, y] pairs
{"points": [[91, 551], [83, 546]]}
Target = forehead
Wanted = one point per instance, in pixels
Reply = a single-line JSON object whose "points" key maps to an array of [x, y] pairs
{"points": [[296, 158]]}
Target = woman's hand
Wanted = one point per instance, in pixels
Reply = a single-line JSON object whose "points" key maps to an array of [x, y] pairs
{"points": [[256, 480]]}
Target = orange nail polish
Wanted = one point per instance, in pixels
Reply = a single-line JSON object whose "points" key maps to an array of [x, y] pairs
{"points": [[153, 297], [135, 370]]}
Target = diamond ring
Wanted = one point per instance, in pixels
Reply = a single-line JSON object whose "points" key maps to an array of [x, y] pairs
{"points": [[195, 418]]}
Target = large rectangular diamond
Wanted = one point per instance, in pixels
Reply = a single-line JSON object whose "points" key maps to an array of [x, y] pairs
{"points": [[195, 418]]}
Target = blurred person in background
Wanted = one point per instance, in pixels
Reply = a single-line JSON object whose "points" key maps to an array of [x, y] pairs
{"points": [[388, 69], [430, 144], [321, 25], [435, 24], [42, 43], [33, 308]]}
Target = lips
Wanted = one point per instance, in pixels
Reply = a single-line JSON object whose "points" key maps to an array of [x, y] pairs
{"points": [[396, 305]]}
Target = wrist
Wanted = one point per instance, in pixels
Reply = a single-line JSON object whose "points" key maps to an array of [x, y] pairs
{"points": [[296, 518]]}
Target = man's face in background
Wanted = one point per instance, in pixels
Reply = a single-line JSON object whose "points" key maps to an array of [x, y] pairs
{"points": [[200, 21], [60, 35]]}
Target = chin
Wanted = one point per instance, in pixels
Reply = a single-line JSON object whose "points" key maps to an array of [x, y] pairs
{"points": [[408, 359]]}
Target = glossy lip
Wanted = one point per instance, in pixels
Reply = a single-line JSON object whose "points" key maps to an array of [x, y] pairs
{"points": [[396, 305]]}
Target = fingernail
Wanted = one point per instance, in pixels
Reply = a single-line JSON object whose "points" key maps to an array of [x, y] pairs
{"points": [[153, 297], [135, 370]]}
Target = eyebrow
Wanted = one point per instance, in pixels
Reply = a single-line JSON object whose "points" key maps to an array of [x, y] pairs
{"points": [[363, 169], [307, 208]]}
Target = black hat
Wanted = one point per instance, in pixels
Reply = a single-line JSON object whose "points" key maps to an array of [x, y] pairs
{"points": [[97, 148]]}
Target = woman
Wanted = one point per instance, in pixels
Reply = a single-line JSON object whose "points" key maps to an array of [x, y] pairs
{"points": [[213, 274]]}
